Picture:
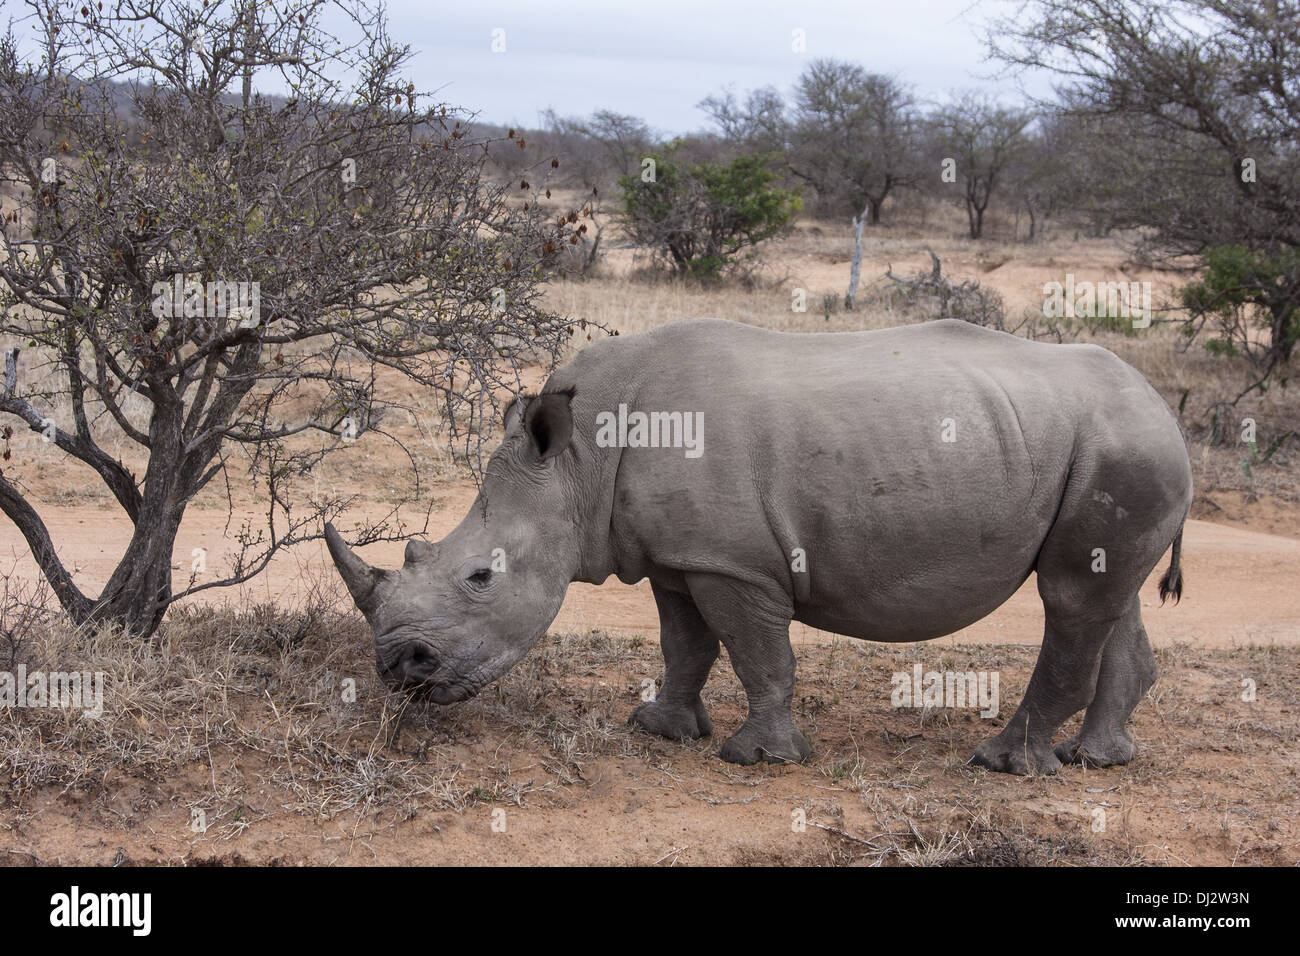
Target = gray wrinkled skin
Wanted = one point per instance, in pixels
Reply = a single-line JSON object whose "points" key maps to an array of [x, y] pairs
{"points": [[830, 443]]}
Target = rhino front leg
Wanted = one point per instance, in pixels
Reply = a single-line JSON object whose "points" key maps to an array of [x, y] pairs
{"points": [[689, 652], [755, 627]]}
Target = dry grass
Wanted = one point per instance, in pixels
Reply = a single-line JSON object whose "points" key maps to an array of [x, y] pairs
{"points": [[237, 719], [272, 683]]}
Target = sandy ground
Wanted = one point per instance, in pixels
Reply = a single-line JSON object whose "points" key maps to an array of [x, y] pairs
{"points": [[543, 771]]}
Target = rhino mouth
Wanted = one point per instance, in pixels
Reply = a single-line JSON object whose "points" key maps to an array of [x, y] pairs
{"points": [[441, 690], [429, 681], [444, 692]]}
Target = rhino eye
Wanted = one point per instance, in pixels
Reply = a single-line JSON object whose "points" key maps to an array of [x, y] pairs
{"points": [[480, 578]]}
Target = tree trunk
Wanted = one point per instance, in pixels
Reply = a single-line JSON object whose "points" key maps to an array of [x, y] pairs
{"points": [[140, 589], [592, 251], [855, 265]]}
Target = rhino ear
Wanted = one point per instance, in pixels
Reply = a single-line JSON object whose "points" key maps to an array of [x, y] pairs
{"points": [[549, 423]]}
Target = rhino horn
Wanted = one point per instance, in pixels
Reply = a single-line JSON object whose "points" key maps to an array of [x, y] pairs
{"points": [[361, 578], [417, 551]]}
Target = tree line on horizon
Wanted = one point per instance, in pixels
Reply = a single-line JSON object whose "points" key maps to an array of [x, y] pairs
{"points": [[1174, 124]]}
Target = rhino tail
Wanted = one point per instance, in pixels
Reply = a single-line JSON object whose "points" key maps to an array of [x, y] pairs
{"points": [[1172, 582]]}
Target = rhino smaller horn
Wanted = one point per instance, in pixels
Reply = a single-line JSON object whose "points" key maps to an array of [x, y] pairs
{"points": [[361, 578], [417, 550]]}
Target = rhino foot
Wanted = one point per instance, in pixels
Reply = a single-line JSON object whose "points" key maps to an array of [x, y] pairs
{"points": [[1013, 757], [673, 720], [1094, 751], [775, 742]]}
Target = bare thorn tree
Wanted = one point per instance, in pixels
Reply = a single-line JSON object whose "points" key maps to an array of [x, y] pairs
{"points": [[1196, 104], [985, 139], [226, 280]]}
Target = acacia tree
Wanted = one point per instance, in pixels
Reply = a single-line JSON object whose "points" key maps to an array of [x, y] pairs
{"points": [[218, 278], [605, 145], [597, 152], [1041, 177], [759, 124], [850, 134], [985, 139], [1205, 98], [1071, 166], [854, 136]]}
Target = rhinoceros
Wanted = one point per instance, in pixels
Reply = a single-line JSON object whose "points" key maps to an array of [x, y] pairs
{"points": [[892, 485]]}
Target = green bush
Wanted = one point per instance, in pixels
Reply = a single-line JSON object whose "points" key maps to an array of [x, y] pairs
{"points": [[700, 219], [1242, 292]]}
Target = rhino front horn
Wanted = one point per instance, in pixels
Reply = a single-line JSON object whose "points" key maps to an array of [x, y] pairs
{"points": [[361, 578]]}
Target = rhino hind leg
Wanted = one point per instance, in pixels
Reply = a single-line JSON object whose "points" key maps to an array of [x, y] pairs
{"points": [[1117, 518], [689, 648], [1081, 611], [1061, 685], [755, 628], [1128, 669]]}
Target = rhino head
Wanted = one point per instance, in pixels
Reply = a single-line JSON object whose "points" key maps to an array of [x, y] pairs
{"points": [[461, 612]]}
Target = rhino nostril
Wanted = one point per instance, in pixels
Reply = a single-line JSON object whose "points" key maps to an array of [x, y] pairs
{"points": [[418, 658]]}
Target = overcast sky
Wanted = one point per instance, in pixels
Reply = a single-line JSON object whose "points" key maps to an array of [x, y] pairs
{"points": [[658, 58]]}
